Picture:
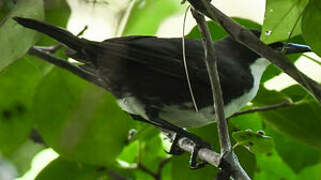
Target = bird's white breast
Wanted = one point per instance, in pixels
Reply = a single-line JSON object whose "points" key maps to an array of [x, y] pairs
{"points": [[257, 69], [187, 117]]}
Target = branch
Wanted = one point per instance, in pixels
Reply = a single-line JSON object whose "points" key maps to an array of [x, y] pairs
{"points": [[204, 154], [158, 174], [160, 168], [248, 39], [228, 159], [147, 171], [211, 66], [264, 108]]}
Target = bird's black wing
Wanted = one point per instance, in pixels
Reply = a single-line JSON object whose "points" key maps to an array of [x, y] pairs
{"points": [[164, 55]]}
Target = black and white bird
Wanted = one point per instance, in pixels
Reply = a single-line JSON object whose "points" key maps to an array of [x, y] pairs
{"points": [[146, 74]]}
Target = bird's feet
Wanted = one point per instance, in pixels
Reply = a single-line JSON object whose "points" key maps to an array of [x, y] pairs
{"points": [[197, 145], [176, 133]]}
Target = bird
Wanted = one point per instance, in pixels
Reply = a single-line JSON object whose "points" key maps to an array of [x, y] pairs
{"points": [[146, 74]]}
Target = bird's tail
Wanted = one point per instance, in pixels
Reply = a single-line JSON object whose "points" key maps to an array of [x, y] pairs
{"points": [[57, 33], [84, 50], [81, 49]]}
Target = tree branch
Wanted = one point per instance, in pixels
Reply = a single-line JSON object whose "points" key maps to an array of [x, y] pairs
{"points": [[264, 108], [211, 66], [247, 38], [228, 160], [147, 171], [204, 154]]}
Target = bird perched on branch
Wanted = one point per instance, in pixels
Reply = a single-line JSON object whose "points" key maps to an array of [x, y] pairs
{"points": [[146, 74]]}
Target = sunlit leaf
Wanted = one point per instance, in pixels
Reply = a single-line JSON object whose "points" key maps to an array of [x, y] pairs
{"points": [[282, 19]]}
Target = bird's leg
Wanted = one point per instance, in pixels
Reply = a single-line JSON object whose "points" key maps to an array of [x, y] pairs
{"points": [[179, 133]]}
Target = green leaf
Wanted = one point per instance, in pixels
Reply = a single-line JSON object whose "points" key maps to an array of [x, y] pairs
{"points": [[79, 120], [142, 22], [152, 153], [311, 25], [57, 12], [247, 160], [217, 32], [295, 154], [130, 153], [181, 169], [281, 18], [311, 173], [270, 166], [15, 39], [301, 121], [63, 169], [17, 85], [255, 142], [247, 121]]}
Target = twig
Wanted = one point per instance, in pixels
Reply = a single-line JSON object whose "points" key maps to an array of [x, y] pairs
{"points": [[312, 59], [146, 170], [247, 38], [264, 108], [160, 168], [228, 158], [158, 174]]}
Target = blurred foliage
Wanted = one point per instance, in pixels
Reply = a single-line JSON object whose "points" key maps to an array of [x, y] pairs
{"points": [[85, 126]]}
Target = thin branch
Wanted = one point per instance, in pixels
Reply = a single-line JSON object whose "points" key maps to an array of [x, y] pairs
{"points": [[211, 65], [204, 154], [264, 108], [146, 170], [160, 168], [247, 38], [312, 59], [228, 159]]}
